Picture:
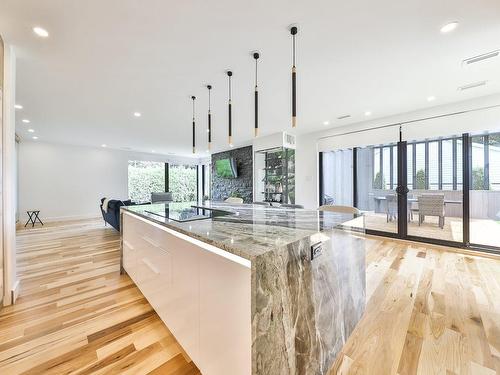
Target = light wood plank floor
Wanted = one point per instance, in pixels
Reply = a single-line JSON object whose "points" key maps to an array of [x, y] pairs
{"points": [[77, 315], [429, 311]]}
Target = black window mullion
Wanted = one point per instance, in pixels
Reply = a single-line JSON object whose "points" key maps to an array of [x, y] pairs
{"points": [[414, 166], [197, 183], [381, 153], [320, 162], [355, 177], [426, 158], [402, 190], [455, 164], [440, 165], [391, 170], [486, 168], [466, 180], [167, 179], [203, 192]]}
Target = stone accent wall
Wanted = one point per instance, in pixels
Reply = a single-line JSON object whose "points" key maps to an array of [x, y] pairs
{"points": [[223, 187]]}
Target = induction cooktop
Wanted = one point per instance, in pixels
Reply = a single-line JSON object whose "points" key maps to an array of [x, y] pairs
{"points": [[183, 214]]}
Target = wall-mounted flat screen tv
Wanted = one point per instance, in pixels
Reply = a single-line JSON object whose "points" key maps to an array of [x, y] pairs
{"points": [[226, 168]]}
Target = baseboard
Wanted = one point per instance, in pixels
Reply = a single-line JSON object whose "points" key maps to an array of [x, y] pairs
{"points": [[15, 292], [65, 218]]}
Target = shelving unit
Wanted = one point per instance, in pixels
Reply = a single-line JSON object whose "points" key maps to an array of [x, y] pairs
{"points": [[276, 168]]}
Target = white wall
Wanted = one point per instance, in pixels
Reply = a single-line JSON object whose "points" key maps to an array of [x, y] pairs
{"points": [[308, 145], [9, 193], [67, 182]]}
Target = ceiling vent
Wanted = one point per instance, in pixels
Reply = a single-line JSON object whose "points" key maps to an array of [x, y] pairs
{"points": [[343, 117], [479, 58], [472, 85]]}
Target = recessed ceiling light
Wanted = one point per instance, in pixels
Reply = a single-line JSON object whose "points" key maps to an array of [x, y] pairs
{"points": [[26, 121], [326, 122], [18, 106], [31, 130], [137, 114], [104, 145], [41, 32], [153, 151], [449, 27], [431, 98], [368, 113], [35, 137]]}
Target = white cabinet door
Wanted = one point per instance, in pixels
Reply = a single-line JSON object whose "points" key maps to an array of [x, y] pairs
{"points": [[154, 268], [225, 316], [131, 246], [180, 312]]}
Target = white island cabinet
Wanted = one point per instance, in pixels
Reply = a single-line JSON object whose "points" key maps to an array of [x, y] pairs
{"points": [[202, 293]]}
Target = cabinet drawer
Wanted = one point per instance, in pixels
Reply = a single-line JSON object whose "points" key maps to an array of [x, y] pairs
{"points": [[130, 260], [154, 272]]}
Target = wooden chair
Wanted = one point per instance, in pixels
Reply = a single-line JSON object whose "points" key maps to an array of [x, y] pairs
{"points": [[340, 209], [234, 200]]}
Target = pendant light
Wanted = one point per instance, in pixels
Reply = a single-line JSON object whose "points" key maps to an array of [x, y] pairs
{"points": [[230, 129], [256, 127], [209, 87], [293, 31], [194, 128]]}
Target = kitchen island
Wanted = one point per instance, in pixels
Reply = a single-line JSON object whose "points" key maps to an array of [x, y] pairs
{"points": [[249, 289]]}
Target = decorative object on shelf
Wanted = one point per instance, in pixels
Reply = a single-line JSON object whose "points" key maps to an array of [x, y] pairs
{"points": [[194, 128], [275, 171], [230, 129], [209, 87], [256, 57], [293, 31]]}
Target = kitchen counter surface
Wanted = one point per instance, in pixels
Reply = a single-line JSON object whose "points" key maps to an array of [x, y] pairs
{"points": [[249, 230]]}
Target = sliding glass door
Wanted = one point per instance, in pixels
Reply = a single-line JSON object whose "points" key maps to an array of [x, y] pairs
{"points": [[485, 190], [442, 190], [435, 197], [337, 181], [376, 183]]}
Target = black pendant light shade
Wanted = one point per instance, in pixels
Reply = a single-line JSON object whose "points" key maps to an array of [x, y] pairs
{"points": [[194, 128], [230, 129], [209, 87], [293, 31], [256, 99]]}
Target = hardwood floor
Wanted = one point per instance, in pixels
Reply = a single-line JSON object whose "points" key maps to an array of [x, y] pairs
{"points": [[77, 314], [429, 311]]}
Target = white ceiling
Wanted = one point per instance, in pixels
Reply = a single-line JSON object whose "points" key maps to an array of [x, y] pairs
{"points": [[105, 60]]}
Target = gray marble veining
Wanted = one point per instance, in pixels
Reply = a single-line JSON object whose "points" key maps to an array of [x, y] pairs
{"points": [[303, 309]]}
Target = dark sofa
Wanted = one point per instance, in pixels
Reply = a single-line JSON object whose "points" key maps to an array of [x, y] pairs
{"points": [[112, 216]]}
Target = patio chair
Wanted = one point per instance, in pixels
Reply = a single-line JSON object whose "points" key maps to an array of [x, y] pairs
{"points": [[391, 207], [431, 205]]}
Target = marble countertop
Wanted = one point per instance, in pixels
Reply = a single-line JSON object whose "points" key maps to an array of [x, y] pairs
{"points": [[249, 230]]}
